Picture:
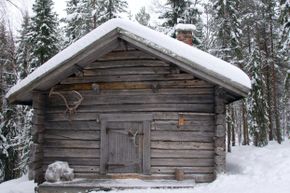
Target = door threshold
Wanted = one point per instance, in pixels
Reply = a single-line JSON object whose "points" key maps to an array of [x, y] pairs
{"points": [[87, 185]]}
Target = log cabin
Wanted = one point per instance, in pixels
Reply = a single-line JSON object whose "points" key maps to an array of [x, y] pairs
{"points": [[126, 101]]}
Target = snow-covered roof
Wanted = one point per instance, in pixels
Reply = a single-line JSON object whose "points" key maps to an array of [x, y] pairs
{"points": [[189, 58]]}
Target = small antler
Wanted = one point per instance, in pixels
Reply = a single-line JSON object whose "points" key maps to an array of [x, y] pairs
{"points": [[133, 136]]}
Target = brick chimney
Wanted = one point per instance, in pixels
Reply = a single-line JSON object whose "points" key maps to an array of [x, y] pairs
{"points": [[184, 33]]}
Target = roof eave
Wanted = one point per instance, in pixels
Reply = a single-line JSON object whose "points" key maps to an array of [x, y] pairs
{"points": [[62, 70]]}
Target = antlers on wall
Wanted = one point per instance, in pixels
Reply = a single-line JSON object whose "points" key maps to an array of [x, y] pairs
{"points": [[69, 109]]}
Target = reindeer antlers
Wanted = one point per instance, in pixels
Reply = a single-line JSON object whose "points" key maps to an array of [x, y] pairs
{"points": [[76, 104]]}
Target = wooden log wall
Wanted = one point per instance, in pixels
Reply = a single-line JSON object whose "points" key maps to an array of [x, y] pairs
{"points": [[36, 149], [183, 109]]}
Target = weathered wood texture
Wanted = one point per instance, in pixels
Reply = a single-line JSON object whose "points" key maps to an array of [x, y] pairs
{"points": [[183, 110], [220, 131], [36, 149]]}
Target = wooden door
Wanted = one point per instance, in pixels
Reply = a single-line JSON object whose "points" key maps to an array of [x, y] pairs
{"points": [[125, 143]]}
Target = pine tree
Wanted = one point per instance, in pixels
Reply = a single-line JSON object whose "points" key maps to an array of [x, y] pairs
{"points": [[227, 31], [109, 9], [79, 20], [284, 58], [23, 113], [43, 32], [24, 49], [208, 12], [8, 128], [143, 17], [284, 20], [257, 105], [173, 10]]}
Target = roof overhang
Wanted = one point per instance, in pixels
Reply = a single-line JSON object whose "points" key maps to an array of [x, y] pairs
{"points": [[106, 38]]}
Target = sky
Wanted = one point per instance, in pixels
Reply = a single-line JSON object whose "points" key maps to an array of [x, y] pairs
{"points": [[16, 8]]}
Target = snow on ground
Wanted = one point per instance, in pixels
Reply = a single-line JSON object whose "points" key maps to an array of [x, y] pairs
{"points": [[20, 185], [250, 170]]}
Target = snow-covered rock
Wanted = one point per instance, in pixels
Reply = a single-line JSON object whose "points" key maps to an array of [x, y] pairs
{"points": [[59, 171]]}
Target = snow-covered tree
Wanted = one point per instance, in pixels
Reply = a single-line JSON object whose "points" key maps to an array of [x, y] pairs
{"points": [[284, 58], [143, 17], [43, 32], [24, 116], [8, 127], [257, 105], [173, 11], [284, 20], [109, 9], [85, 15], [227, 31], [24, 49], [78, 20]]}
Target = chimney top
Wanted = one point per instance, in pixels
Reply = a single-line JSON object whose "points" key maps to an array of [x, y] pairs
{"points": [[184, 32]]}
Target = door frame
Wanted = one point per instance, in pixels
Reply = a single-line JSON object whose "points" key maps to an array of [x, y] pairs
{"points": [[145, 118]]}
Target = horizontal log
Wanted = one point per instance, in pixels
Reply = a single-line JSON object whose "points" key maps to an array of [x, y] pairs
{"points": [[80, 161], [187, 123], [134, 99], [73, 125], [90, 112], [125, 55], [81, 169], [157, 153], [61, 143], [135, 85], [127, 78], [182, 162], [127, 71], [187, 170], [73, 153], [193, 126], [181, 145], [149, 91], [186, 116], [181, 136], [86, 169], [72, 135], [126, 63], [124, 46]]}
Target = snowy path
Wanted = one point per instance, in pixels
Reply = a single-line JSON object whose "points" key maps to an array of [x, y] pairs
{"points": [[250, 170]]}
